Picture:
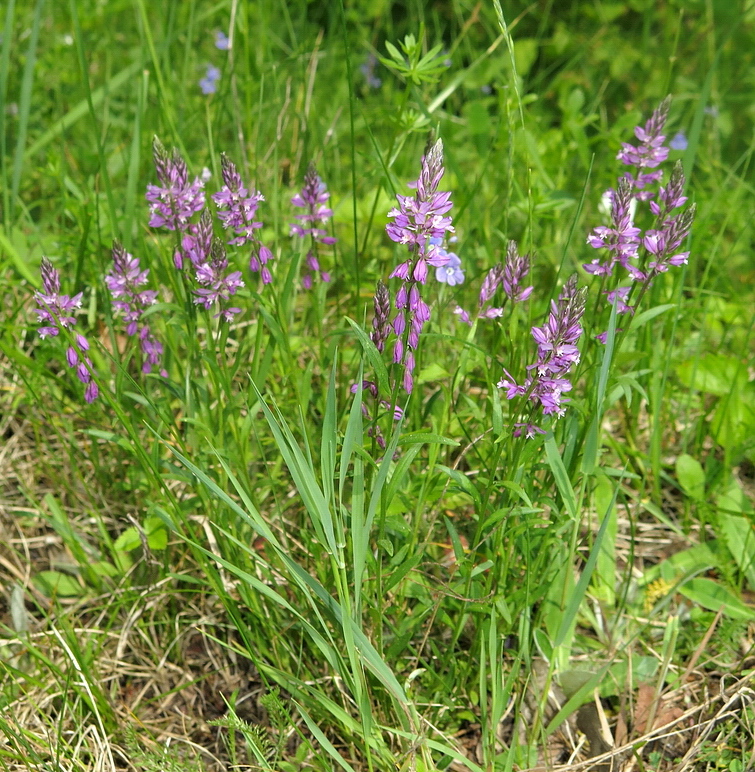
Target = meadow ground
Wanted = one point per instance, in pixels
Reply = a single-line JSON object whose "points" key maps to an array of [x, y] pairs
{"points": [[377, 386]]}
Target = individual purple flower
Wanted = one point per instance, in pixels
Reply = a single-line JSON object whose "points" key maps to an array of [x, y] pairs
{"points": [[618, 297], [238, 212], [530, 431], [313, 199], [221, 40], [463, 315], [124, 283], [173, 203], [603, 336], [515, 271], [557, 352], [56, 311], [312, 264], [209, 84], [217, 286], [420, 222]]}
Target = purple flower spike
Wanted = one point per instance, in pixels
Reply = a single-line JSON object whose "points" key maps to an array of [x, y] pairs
{"points": [[643, 256], [511, 275], [368, 70], [197, 243], [515, 271], [557, 352], [662, 244], [621, 240], [650, 153], [55, 310], [491, 283], [381, 321], [238, 211], [173, 203], [313, 199], [217, 286], [421, 222], [672, 195], [124, 283]]}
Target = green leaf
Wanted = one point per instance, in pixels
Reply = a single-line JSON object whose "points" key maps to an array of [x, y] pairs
{"points": [[128, 540], [651, 313], [739, 535], [713, 374], [691, 476], [422, 438], [737, 527], [734, 420], [715, 597], [433, 372], [52, 583], [560, 476]]}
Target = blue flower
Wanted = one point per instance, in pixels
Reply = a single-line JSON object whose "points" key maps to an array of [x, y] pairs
{"points": [[451, 273], [368, 70], [209, 84], [679, 142], [221, 40]]}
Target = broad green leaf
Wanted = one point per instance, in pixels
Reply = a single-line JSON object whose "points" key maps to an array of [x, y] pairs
{"points": [[734, 420], [433, 372], [52, 583], [713, 373], [128, 540], [715, 597], [691, 476]]}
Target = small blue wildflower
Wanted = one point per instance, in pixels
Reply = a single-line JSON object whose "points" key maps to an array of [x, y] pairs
{"points": [[679, 142], [711, 110], [451, 273], [221, 40], [209, 84], [368, 70]]}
